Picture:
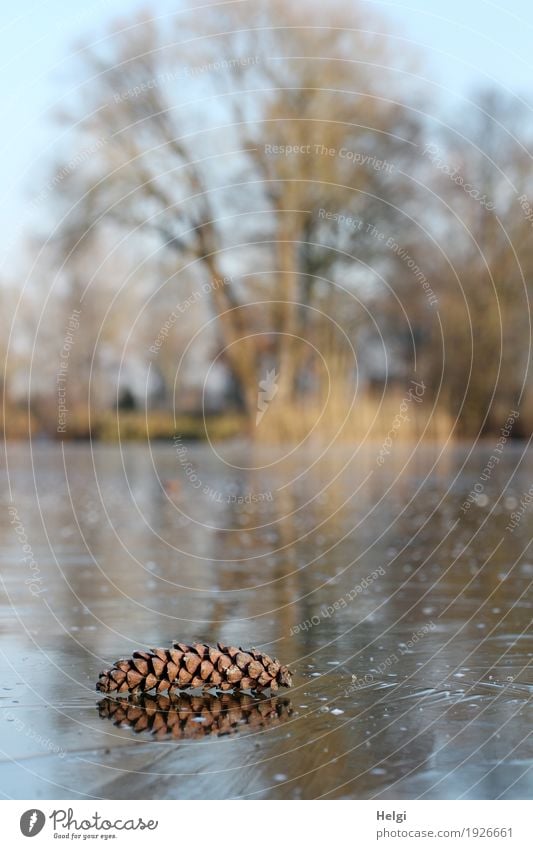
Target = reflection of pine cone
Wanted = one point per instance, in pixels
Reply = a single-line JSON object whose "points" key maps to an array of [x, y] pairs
{"points": [[187, 716], [186, 667]]}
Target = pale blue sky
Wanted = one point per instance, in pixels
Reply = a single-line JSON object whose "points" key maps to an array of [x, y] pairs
{"points": [[467, 42]]}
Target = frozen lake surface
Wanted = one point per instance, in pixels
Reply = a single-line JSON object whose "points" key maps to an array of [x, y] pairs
{"points": [[405, 614]]}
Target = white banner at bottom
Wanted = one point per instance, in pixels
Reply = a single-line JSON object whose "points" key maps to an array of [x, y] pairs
{"points": [[354, 823]]}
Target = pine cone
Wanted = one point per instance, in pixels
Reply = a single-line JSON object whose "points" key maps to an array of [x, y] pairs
{"points": [[186, 667], [186, 716]]}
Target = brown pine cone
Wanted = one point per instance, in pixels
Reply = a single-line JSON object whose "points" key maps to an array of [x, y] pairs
{"points": [[185, 717], [187, 667]]}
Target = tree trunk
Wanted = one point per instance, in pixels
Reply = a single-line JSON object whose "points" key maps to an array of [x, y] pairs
{"points": [[287, 314]]}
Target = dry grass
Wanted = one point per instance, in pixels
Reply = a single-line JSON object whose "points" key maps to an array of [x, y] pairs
{"points": [[340, 418], [369, 418]]}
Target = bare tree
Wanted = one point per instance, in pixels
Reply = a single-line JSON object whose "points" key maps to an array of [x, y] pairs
{"points": [[482, 166], [234, 138]]}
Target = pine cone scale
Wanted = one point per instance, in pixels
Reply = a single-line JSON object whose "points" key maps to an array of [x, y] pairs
{"points": [[158, 666], [141, 665], [172, 671]]}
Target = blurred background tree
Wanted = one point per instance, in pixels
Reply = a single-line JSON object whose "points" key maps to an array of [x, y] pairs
{"points": [[279, 182]]}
